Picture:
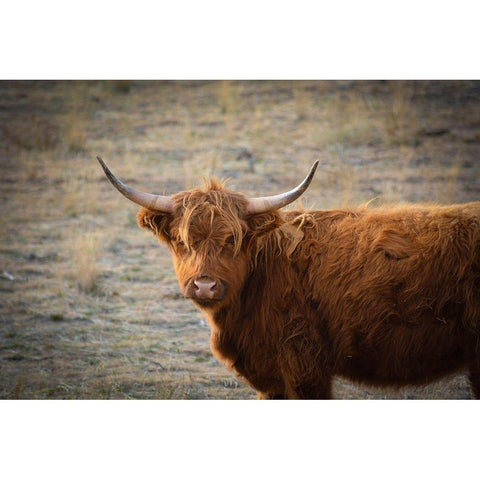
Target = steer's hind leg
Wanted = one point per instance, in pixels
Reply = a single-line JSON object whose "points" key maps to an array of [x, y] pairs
{"points": [[474, 377], [313, 389], [316, 391]]}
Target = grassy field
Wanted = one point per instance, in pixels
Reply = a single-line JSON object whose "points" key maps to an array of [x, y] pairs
{"points": [[89, 304]]}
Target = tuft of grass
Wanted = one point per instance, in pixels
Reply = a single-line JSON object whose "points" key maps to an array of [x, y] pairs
{"points": [[302, 101], [228, 97], [75, 136], [122, 86], [401, 120], [201, 358], [57, 317], [86, 270], [346, 178], [448, 192]]}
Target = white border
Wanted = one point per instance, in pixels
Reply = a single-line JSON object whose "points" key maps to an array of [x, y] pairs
{"points": [[239, 439], [252, 39]]}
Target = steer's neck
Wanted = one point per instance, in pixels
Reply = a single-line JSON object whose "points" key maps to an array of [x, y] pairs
{"points": [[252, 323]]}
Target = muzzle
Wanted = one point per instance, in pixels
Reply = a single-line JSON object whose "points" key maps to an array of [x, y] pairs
{"points": [[205, 289]]}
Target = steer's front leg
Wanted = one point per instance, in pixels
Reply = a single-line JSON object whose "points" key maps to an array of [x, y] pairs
{"points": [[270, 396]]}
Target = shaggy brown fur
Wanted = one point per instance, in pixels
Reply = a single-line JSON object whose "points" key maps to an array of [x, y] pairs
{"points": [[387, 296]]}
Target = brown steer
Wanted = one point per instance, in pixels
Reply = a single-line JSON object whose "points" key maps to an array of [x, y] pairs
{"points": [[386, 296]]}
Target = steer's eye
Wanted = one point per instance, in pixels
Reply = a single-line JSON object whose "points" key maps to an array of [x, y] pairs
{"points": [[230, 240]]}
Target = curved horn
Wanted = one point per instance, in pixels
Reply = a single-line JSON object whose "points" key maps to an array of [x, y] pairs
{"points": [[266, 204], [158, 203]]}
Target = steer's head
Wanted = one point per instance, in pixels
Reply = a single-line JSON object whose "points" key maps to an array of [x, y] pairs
{"points": [[209, 233]]}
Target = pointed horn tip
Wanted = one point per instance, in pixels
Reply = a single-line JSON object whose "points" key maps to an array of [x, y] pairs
{"points": [[107, 171], [102, 163], [312, 171]]}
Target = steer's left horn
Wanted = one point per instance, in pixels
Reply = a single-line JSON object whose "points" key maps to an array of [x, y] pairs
{"points": [[159, 203], [266, 204]]}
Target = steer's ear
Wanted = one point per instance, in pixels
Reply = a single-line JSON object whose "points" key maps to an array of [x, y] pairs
{"points": [[156, 222], [262, 223]]}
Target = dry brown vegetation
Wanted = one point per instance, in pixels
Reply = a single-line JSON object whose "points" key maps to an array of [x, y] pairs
{"points": [[89, 305]]}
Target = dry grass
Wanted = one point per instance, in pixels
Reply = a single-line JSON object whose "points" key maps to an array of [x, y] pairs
{"points": [[122, 86], [228, 96], [85, 269], [78, 183], [401, 121], [89, 304], [35, 132], [302, 101], [75, 134]]}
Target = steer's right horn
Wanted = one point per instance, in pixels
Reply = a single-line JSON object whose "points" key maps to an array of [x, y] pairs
{"points": [[158, 203]]}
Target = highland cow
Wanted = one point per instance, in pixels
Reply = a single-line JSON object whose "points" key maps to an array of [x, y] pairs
{"points": [[385, 296]]}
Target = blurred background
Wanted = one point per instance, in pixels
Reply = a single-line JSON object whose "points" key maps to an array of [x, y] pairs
{"points": [[89, 304]]}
